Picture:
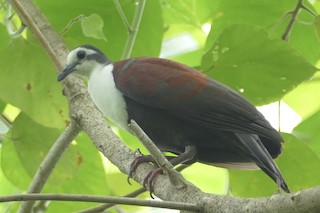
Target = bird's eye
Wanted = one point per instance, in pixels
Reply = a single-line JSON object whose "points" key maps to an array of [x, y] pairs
{"points": [[81, 54]]}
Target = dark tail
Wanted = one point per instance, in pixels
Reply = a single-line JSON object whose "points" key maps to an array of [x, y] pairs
{"points": [[260, 155]]}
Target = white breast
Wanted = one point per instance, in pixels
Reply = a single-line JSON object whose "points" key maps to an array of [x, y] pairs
{"points": [[106, 96]]}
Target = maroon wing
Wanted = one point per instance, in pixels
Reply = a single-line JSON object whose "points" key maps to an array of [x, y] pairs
{"points": [[190, 95]]}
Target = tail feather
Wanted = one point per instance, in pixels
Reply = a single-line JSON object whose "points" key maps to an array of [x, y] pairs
{"points": [[260, 155]]}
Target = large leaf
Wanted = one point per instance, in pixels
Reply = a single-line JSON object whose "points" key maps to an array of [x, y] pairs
{"points": [[308, 131], [298, 163], [28, 81], [5, 39], [188, 12], [208, 178], [305, 98], [262, 69], [22, 156], [2, 106], [183, 23], [148, 41], [7, 188], [267, 14], [89, 178], [262, 13]]}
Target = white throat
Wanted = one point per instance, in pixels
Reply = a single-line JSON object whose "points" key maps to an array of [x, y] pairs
{"points": [[106, 96]]}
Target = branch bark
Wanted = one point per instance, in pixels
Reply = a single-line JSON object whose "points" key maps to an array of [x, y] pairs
{"points": [[89, 119]]}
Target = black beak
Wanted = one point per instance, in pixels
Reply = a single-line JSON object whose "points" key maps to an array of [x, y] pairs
{"points": [[64, 73]]}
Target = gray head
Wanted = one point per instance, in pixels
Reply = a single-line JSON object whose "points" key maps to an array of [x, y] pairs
{"points": [[82, 60]]}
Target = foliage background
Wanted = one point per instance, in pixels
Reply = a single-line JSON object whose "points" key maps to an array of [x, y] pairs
{"points": [[243, 49]]}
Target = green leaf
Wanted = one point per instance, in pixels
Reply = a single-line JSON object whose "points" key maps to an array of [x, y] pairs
{"points": [[309, 48], [298, 163], [2, 106], [92, 26], [89, 175], [9, 160], [309, 93], [149, 37], [268, 15], [188, 12], [262, 69], [7, 188], [28, 81], [5, 39], [35, 141], [27, 150], [308, 131], [208, 178]]}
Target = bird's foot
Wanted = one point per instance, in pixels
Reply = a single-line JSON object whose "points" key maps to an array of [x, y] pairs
{"points": [[148, 181], [136, 162]]}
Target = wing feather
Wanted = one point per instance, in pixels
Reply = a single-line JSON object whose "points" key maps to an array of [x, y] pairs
{"points": [[190, 95]]}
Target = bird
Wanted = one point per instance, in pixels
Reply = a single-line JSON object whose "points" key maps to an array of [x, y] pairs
{"points": [[181, 109]]}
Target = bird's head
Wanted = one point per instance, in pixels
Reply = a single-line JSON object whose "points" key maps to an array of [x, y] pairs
{"points": [[83, 60]]}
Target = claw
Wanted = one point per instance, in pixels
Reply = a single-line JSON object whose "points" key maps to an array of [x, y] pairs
{"points": [[151, 179], [136, 162], [186, 157]]}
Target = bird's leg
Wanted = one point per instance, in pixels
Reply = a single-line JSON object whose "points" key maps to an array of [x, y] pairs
{"points": [[142, 159], [188, 156], [136, 162]]}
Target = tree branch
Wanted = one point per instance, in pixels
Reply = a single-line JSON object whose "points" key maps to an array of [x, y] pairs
{"points": [[135, 193], [90, 120], [101, 199], [49, 163]]}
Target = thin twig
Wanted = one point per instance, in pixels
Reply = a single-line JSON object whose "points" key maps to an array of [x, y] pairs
{"points": [[277, 24], [309, 10], [10, 24], [134, 29], [71, 23], [294, 15], [123, 16], [131, 194], [108, 205], [49, 163], [102, 199]]}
